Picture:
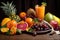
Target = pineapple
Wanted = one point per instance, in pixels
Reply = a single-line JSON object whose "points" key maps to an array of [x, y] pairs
{"points": [[10, 11]]}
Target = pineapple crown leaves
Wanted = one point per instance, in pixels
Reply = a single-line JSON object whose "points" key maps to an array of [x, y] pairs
{"points": [[8, 8]]}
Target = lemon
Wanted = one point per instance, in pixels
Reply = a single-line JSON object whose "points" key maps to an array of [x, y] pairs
{"points": [[56, 19], [4, 30], [4, 21]]}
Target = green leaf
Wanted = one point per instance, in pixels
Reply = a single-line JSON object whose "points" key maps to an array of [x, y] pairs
{"points": [[19, 31], [0, 26], [35, 19], [44, 3], [3, 7], [8, 4], [3, 3], [11, 3], [8, 33], [30, 30], [3, 26]]}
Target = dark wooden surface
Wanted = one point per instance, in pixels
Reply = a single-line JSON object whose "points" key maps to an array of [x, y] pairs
{"points": [[30, 37]]}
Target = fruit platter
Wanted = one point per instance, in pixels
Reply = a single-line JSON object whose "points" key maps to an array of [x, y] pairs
{"points": [[33, 21]]}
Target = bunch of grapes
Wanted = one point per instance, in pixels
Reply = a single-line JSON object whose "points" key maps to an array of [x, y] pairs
{"points": [[40, 27]]}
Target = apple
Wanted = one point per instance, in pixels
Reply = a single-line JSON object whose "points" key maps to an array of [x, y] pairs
{"points": [[54, 24], [48, 17]]}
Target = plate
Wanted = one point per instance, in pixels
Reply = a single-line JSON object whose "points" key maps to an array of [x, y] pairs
{"points": [[42, 31]]}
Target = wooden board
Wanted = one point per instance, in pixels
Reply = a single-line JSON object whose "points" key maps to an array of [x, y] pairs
{"points": [[30, 37]]}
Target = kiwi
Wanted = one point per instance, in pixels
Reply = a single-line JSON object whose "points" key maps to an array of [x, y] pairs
{"points": [[31, 13]]}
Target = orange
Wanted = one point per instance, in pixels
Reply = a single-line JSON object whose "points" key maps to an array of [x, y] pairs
{"points": [[29, 21], [22, 14], [11, 23], [13, 30]]}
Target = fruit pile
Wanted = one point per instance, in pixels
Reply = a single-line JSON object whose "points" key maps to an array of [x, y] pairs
{"points": [[32, 21], [53, 20]]}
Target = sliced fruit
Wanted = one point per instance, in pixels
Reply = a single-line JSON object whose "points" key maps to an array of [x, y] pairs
{"points": [[56, 19], [3, 30], [48, 17], [4, 21], [22, 14], [22, 26], [11, 24], [13, 30], [29, 21]]}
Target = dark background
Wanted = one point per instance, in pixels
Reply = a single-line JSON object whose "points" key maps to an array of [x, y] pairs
{"points": [[23, 5]]}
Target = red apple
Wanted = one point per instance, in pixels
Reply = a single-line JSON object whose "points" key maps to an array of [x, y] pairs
{"points": [[54, 24]]}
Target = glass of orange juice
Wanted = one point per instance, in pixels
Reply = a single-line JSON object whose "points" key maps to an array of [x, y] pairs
{"points": [[40, 11]]}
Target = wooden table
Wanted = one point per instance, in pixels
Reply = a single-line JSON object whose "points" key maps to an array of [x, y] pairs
{"points": [[30, 37]]}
